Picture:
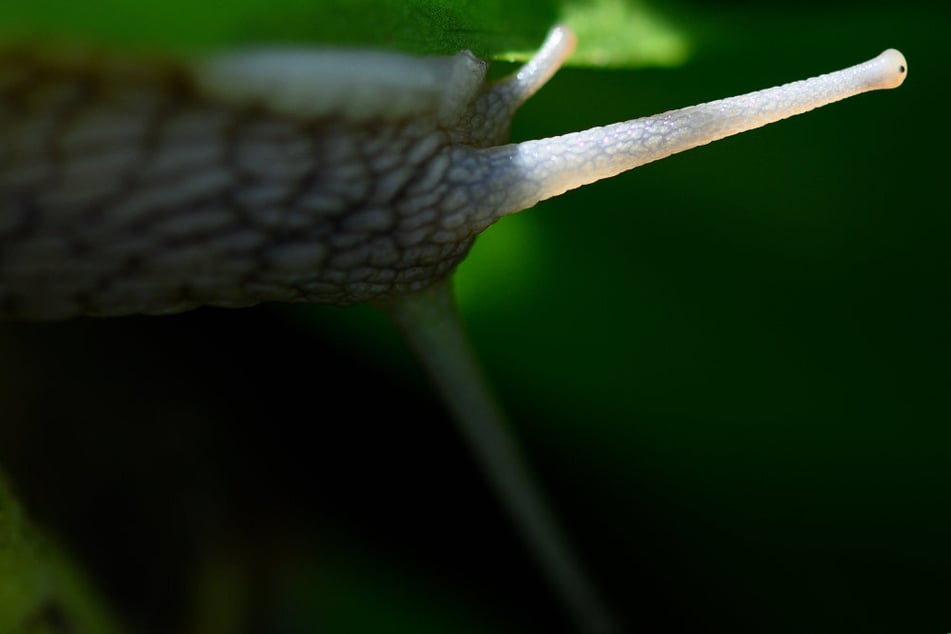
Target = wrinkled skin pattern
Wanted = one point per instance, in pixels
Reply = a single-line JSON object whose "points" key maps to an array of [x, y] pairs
{"points": [[124, 189]]}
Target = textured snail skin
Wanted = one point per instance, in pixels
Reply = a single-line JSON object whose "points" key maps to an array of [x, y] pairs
{"points": [[299, 175]]}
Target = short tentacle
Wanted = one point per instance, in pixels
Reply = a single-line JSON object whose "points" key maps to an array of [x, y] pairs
{"points": [[516, 89], [499, 102]]}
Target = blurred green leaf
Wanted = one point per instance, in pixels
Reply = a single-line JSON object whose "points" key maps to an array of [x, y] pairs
{"points": [[38, 586], [614, 32], [21, 587]]}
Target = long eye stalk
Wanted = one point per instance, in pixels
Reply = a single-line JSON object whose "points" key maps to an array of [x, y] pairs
{"points": [[532, 171]]}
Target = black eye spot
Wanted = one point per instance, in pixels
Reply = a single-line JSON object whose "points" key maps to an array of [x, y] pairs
{"points": [[901, 68]]}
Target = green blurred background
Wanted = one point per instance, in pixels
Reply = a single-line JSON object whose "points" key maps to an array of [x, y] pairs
{"points": [[729, 369]]}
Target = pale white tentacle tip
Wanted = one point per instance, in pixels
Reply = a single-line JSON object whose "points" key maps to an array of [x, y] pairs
{"points": [[561, 39], [893, 67], [559, 44]]}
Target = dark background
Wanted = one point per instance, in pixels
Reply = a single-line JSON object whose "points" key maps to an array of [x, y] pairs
{"points": [[729, 369]]}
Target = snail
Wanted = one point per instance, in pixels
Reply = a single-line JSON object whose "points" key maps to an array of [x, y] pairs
{"points": [[298, 175], [317, 176]]}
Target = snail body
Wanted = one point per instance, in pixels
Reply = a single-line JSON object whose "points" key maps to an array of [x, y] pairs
{"points": [[134, 188], [297, 175]]}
